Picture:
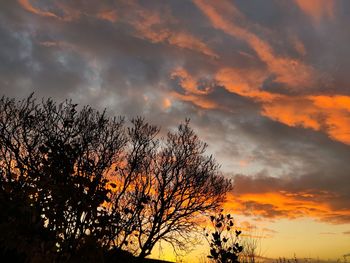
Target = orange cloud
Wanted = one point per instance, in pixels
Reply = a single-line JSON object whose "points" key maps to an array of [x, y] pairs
{"points": [[282, 204], [246, 83], [146, 24], [317, 9], [288, 70], [69, 13], [332, 102], [293, 111], [151, 25], [330, 114], [30, 8], [277, 197], [197, 100], [185, 40], [187, 82], [190, 84], [108, 15]]}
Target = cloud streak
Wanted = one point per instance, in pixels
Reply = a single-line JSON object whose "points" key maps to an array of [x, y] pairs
{"points": [[275, 198]]}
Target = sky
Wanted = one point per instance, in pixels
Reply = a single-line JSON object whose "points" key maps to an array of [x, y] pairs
{"points": [[265, 83]]}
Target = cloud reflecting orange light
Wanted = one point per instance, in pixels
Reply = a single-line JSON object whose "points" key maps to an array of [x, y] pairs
{"points": [[282, 204], [26, 4], [329, 114], [290, 71], [65, 12], [317, 9], [198, 100], [158, 28], [108, 15]]}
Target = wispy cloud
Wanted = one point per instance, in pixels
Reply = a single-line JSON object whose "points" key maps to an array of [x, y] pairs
{"points": [[317, 9]]}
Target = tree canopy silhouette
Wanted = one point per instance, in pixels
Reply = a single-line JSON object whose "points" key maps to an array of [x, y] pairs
{"points": [[73, 181]]}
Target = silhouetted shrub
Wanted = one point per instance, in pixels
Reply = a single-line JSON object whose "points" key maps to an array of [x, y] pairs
{"points": [[224, 239]]}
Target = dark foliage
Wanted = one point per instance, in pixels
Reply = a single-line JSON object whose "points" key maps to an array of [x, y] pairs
{"points": [[76, 184], [224, 240], [53, 161]]}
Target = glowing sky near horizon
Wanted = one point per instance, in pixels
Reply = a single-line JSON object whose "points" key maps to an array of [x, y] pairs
{"points": [[265, 83]]}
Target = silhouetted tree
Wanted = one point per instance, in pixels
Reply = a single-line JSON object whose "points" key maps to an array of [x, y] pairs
{"points": [[125, 202], [73, 181], [53, 160], [172, 184]]}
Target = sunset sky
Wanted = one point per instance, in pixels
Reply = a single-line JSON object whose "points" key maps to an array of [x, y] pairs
{"points": [[265, 83]]}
